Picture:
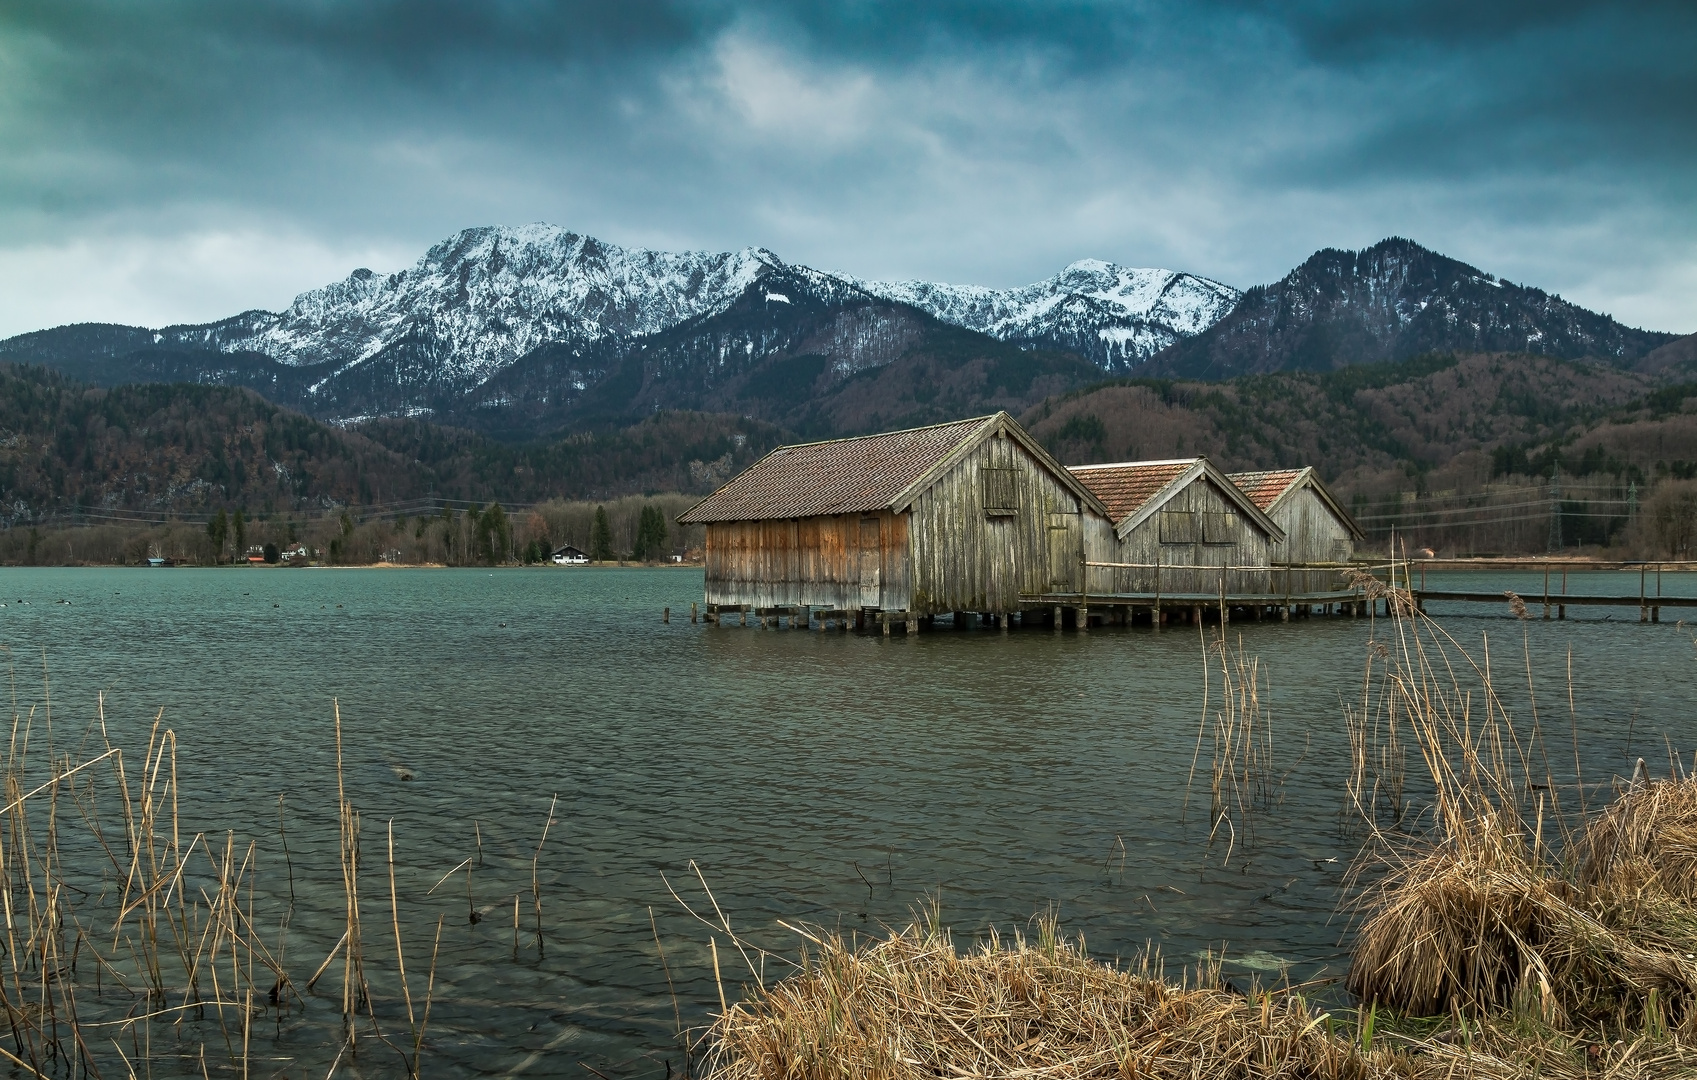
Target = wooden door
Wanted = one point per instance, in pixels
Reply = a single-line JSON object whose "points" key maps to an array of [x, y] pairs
{"points": [[1063, 552], [871, 563]]}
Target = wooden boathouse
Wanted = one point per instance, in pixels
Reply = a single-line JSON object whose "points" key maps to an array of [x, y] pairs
{"points": [[1318, 530], [969, 516], [1181, 529]]}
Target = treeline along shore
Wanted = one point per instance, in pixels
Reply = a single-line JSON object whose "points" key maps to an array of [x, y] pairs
{"points": [[629, 529]]}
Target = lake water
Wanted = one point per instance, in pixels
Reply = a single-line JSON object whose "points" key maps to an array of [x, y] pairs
{"points": [[820, 778]]}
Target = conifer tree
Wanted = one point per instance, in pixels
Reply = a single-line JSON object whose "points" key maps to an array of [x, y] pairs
{"points": [[239, 526], [217, 530], [601, 537]]}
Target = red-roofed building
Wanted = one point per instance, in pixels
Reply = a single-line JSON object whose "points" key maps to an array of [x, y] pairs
{"points": [[1183, 529], [1317, 528], [967, 516]]}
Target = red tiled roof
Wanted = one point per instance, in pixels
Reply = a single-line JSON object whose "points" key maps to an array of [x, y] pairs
{"points": [[844, 476], [1264, 488], [1126, 487]]}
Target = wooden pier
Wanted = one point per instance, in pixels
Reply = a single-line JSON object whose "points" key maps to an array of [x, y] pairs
{"points": [[1055, 610]]}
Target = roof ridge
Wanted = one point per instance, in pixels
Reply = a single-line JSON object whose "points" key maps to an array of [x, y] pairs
{"points": [[1139, 464]]}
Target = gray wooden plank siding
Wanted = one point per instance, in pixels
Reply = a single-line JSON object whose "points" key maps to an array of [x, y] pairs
{"points": [[994, 526], [1187, 566], [1313, 534]]}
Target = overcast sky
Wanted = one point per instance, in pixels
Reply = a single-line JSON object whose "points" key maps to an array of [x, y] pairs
{"points": [[170, 161]]}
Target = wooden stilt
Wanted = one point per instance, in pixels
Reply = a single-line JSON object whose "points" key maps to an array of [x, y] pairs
{"points": [[1057, 619], [692, 612], [666, 615]]}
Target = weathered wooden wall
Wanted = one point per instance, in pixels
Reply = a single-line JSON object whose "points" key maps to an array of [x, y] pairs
{"points": [[995, 527], [1187, 566], [844, 561], [1313, 534]]}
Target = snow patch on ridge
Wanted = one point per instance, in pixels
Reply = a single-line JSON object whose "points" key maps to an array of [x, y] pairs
{"points": [[1127, 313]]}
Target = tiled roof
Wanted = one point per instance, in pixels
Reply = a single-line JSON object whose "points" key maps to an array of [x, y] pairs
{"points": [[1126, 487], [1264, 488], [844, 476]]}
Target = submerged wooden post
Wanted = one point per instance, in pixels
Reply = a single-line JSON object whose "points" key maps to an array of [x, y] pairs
{"points": [[1058, 619], [1643, 612], [692, 612], [666, 615], [1155, 612], [1546, 592], [1225, 612], [885, 619]]}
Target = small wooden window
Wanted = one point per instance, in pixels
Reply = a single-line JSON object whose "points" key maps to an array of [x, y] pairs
{"points": [[1001, 491], [1220, 528], [1178, 527]]}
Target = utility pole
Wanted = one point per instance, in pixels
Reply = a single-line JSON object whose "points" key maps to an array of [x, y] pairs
{"points": [[1555, 508], [1631, 501]]}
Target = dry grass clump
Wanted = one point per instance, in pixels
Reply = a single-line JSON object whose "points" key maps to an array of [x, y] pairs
{"points": [[912, 1006], [1645, 843], [1509, 904]]}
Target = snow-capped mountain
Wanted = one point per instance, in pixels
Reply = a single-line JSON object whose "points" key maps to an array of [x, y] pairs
{"points": [[1116, 316], [485, 297]]}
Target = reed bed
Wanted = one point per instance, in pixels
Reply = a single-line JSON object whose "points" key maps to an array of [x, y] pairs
{"points": [[1507, 900], [133, 946], [914, 1006]]}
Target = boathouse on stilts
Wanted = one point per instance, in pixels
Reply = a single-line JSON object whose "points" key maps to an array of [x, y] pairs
{"points": [[965, 518], [1186, 542], [1320, 535]]}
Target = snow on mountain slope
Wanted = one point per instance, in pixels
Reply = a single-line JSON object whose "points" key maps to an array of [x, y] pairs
{"points": [[1118, 316], [486, 296]]}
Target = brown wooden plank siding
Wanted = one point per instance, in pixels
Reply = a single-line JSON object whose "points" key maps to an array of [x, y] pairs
{"points": [[1312, 534], [1185, 567], [970, 556], [841, 561]]}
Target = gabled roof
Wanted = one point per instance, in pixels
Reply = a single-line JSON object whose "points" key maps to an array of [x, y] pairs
{"points": [[1134, 490], [869, 472], [1268, 489]]}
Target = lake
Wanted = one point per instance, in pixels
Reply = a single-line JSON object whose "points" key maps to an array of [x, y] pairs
{"points": [[818, 778]]}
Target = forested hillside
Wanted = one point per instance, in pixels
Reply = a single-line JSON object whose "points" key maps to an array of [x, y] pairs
{"points": [[74, 452]]}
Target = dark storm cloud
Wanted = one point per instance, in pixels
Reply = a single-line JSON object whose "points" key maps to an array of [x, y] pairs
{"points": [[1551, 142]]}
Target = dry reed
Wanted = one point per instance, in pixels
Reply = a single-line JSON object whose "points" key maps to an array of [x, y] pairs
{"points": [[122, 927], [1239, 731]]}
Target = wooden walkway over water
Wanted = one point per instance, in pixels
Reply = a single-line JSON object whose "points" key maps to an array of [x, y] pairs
{"points": [[1157, 609]]}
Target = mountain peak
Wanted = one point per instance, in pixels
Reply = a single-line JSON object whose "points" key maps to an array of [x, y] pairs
{"points": [[1116, 316], [1394, 300]]}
